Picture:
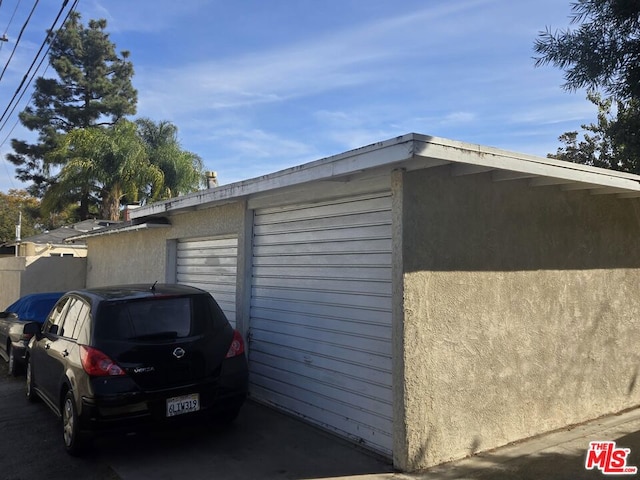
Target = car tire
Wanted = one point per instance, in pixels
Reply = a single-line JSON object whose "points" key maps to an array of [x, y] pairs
{"points": [[13, 364], [32, 396], [74, 442]]}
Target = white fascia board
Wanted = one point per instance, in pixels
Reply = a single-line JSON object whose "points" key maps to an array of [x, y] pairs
{"points": [[354, 161], [412, 151], [480, 156]]}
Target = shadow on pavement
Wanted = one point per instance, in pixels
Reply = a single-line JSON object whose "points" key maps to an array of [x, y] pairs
{"points": [[262, 443], [562, 462]]}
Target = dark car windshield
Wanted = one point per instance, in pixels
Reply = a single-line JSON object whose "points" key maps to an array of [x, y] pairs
{"points": [[154, 318]]}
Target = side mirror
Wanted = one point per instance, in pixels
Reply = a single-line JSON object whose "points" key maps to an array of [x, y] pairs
{"points": [[32, 328], [9, 315]]}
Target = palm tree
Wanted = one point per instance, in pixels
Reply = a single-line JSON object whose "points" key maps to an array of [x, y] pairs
{"points": [[107, 163], [183, 170]]}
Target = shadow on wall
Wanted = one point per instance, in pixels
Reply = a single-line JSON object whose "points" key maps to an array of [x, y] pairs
{"points": [[52, 274], [561, 464], [471, 223]]}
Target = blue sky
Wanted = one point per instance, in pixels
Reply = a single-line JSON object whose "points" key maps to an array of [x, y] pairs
{"points": [[256, 86]]}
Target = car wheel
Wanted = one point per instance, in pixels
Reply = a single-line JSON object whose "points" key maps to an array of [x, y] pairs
{"points": [[31, 393], [74, 442], [13, 365]]}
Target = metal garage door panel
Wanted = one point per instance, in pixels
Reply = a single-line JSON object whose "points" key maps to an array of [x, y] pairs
{"points": [[347, 326], [323, 284], [321, 314], [373, 246], [211, 264], [367, 301], [355, 208], [362, 378], [315, 407]]}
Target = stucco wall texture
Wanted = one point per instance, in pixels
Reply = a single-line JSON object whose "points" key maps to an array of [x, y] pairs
{"points": [[22, 275], [521, 311], [141, 256]]}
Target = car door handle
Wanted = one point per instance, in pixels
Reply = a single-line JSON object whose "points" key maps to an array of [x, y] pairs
{"points": [[65, 353]]}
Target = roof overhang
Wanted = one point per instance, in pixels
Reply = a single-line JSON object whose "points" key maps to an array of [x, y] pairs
{"points": [[412, 152], [131, 226]]}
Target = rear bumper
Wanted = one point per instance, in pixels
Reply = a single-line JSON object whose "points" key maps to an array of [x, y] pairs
{"points": [[130, 411], [19, 351]]}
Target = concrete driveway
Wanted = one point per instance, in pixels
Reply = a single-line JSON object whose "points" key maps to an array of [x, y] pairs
{"points": [[265, 444], [261, 444]]}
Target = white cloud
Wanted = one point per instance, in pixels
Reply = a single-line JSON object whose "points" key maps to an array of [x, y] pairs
{"points": [[240, 154], [259, 144], [363, 55], [458, 117], [136, 16], [577, 111]]}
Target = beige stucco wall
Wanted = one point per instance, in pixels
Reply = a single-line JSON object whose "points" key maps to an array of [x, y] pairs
{"points": [[11, 269], [519, 312], [22, 275], [141, 256]]}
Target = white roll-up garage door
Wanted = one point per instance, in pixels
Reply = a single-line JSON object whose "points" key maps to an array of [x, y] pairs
{"points": [[211, 264], [320, 324]]}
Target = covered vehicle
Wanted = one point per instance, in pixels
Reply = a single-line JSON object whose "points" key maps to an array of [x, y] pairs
{"points": [[33, 307], [124, 357]]}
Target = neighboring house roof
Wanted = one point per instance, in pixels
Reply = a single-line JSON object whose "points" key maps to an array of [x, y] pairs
{"points": [[59, 235], [409, 152], [119, 227]]}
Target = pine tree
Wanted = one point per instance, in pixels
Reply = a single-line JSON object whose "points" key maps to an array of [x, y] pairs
{"points": [[93, 88]]}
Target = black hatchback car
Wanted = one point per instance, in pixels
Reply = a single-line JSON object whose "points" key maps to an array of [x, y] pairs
{"points": [[119, 357]]}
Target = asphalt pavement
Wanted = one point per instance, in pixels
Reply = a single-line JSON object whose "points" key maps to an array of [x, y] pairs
{"points": [[266, 444]]}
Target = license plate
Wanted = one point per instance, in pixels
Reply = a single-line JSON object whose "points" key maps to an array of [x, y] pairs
{"points": [[183, 404]]}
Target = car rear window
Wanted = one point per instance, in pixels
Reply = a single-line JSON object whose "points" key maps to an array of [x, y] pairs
{"points": [[155, 318]]}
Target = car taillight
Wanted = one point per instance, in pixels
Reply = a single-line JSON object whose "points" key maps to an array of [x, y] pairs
{"points": [[237, 345], [97, 364], [26, 336]]}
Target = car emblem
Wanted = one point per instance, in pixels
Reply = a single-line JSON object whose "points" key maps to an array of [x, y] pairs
{"points": [[178, 352], [144, 369]]}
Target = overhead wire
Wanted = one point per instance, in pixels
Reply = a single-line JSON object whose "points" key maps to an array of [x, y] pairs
{"points": [[6, 30], [44, 43], [52, 32], [19, 37]]}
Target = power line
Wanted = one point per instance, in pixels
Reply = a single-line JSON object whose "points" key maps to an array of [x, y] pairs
{"points": [[19, 37], [44, 43], [4, 35], [50, 32]]}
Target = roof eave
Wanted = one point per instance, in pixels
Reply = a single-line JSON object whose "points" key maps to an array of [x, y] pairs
{"points": [[412, 151], [129, 228]]}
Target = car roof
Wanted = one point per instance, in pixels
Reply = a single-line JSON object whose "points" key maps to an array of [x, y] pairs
{"points": [[137, 291]]}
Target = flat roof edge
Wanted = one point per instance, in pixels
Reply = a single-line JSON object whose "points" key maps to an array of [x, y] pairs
{"points": [[352, 161], [397, 152]]}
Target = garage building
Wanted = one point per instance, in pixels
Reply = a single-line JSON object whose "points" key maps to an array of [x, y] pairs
{"points": [[425, 298]]}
